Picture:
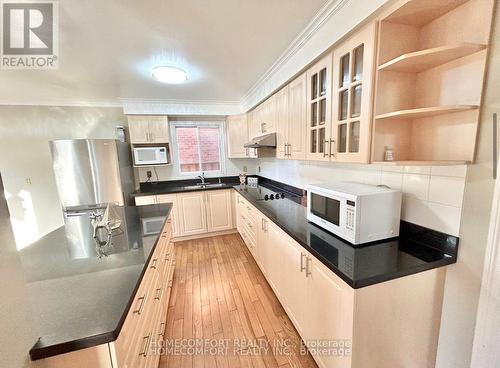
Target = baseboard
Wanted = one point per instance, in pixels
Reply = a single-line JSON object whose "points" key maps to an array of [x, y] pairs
{"points": [[206, 235]]}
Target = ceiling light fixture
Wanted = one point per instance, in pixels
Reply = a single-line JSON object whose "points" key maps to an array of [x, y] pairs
{"points": [[169, 74]]}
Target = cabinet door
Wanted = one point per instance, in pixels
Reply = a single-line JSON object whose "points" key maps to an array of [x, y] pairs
{"points": [[352, 97], [158, 129], [219, 213], [237, 136], [330, 306], [192, 213], [138, 127], [253, 123], [171, 198], [319, 109], [293, 259], [268, 117], [281, 105], [297, 118]]}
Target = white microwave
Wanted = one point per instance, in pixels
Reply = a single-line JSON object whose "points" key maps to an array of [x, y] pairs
{"points": [[358, 213], [150, 156]]}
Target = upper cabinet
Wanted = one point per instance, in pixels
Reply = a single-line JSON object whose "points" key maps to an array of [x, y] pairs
{"points": [[430, 73], [319, 109], [237, 136], [145, 129], [291, 120], [352, 97], [339, 100]]}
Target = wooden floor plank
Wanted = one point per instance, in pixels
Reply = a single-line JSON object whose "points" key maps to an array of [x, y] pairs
{"points": [[220, 295]]}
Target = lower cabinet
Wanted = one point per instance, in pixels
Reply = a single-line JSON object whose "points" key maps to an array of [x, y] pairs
{"points": [[197, 213], [390, 324], [191, 208], [144, 327]]}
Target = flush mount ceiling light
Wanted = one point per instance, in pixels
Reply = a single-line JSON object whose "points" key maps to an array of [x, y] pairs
{"points": [[169, 74]]}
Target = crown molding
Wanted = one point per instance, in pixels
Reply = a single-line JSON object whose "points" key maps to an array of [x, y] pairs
{"points": [[336, 19], [137, 106], [63, 103], [327, 11]]}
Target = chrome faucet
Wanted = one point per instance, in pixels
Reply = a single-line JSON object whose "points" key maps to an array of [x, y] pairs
{"points": [[202, 178]]}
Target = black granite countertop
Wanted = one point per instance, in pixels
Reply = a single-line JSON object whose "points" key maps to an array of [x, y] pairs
{"points": [[80, 300], [187, 185], [417, 249]]}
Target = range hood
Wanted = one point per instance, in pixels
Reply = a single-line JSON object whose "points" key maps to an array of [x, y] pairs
{"points": [[263, 141]]}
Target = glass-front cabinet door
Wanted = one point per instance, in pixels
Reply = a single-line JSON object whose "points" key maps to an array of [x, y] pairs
{"points": [[353, 62], [319, 109]]}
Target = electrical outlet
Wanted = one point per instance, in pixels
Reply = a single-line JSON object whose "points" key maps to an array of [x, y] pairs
{"points": [[149, 174]]}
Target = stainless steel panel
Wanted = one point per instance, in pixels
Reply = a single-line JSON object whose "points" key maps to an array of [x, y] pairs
{"points": [[87, 172]]}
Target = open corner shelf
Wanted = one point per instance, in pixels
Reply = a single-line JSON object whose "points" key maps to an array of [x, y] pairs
{"points": [[421, 163], [418, 61], [425, 112]]}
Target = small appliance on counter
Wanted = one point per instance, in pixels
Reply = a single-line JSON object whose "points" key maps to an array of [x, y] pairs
{"points": [[358, 213]]}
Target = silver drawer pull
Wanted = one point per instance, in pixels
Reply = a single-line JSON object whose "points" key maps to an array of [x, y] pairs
{"points": [[302, 267], [163, 329], [142, 299], [146, 340], [158, 294], [153, 263], [308, 272]]}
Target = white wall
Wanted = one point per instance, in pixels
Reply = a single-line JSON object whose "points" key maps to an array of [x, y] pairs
{"points": [[26, 164], [432, 195]]}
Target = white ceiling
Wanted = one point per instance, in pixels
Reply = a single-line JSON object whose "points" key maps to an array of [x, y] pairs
{"points": [[108, 47]]}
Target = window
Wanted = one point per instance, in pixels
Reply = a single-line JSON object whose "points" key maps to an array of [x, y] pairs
{"points": [[198, 147]]}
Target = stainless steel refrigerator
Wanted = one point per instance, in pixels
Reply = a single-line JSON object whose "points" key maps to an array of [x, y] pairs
{"points": [[91, 173]]}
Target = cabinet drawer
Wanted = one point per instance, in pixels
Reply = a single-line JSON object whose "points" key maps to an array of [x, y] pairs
{"points": [[145, 200]]}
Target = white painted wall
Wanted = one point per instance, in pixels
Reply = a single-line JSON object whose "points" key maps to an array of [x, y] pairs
{"points": [[432, 195], [24, 154]]}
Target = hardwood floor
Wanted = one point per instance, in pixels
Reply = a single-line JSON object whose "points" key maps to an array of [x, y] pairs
{"points": [[221, 301]]}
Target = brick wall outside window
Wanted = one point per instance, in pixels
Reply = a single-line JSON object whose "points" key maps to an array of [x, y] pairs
{"points": [[190, 149]]}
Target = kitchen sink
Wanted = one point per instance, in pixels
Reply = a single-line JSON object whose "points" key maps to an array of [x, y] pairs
{"points": [[204, 186]]}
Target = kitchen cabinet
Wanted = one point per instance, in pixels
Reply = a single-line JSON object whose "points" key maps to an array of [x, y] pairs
{"points": [[163, 198], [291, 120], [237, 136], [253, 118], [429, 81], [174, 214], [192, 216], [196, 213], [219, 211], [282, 126], [353, 62], [147, 129], [389, 324], [319, 78], [144, 323]]}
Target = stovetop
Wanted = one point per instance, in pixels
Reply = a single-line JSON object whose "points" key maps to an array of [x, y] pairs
{"points": [[269, 193]]}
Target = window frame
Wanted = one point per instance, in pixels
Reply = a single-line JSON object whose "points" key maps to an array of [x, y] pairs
{"points": [[198, 124]]}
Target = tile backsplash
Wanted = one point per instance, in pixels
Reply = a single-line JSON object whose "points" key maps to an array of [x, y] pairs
{"points": [[432, 195]]}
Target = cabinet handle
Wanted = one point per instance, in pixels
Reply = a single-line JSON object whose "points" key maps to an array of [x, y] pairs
{"points": [[331, 141], [262, 127], [284, 146], [495, 146], [289, 150], [308, 272], [163, 328], [302, 267], [158, 294], [153, 263], [146, 340], [262, 224], [141, 306], [324, 148]]}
